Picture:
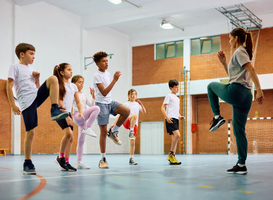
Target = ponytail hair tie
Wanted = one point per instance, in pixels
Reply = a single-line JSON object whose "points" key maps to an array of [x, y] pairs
{"points": [[58, 66]]}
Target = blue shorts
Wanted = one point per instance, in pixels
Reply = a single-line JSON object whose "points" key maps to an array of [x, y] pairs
{"points": [[105, 111], [30, 114]]}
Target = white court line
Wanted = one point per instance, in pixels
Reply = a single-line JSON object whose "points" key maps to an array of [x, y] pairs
{"points": [[118, 173]]}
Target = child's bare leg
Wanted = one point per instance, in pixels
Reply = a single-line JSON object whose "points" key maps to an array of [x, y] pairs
{"points": [[132, 119], [53, 86], [124, 112], [132, 147], [66, 139], [103, 134], [69, 145], [175, 138], [28, 144]]}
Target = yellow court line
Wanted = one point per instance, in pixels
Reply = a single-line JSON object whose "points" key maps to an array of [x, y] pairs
{"points": [[243, 191], [143, 179], [172, 182], [205, 186]]}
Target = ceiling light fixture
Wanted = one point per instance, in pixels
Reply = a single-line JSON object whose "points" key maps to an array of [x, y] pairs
{"points": [[120, 1], [167, 25], [115, 1]]}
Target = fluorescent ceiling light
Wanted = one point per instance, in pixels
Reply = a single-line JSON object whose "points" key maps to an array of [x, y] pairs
{"points": [[166, 25], [120, 1], [115, 1]]}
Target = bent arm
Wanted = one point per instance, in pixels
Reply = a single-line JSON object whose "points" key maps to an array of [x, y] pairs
{"points": [[163, 110], [15, 109], [104, 91], [78, 102], [255, 79], [143, 109], [9, 86], [253, 75]]}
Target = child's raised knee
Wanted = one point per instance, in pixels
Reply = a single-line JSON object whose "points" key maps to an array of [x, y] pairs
{"points": [[134, 116]]}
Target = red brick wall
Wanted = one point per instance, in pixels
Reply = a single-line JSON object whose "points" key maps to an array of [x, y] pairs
{"points": [[5, 118], [146, 70]]}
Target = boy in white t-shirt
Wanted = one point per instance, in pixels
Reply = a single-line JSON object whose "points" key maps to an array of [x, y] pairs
{"points": [[170, 110], [131, 123], [30, 96], [103, 85]]}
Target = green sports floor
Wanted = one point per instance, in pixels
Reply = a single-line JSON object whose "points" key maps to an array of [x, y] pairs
{"points": [[200, 177]]}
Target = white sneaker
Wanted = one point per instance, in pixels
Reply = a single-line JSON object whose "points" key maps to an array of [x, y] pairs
{"points": [[81, 165], [89, 132], [131, 135]]}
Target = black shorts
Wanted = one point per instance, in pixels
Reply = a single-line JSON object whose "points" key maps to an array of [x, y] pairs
{"points": [[30, 114], [63, 124], [172, 127]]}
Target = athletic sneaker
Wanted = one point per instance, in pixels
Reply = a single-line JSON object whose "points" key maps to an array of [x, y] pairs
{"points": [[81, 165], [176, 161], [237, 170], [131, 135], [70, 168], [61, 163], [103, 163], [172, 160], [57, 114], [114, 137], [89, 132], [216, 123], [132, 162], [29, 168]]}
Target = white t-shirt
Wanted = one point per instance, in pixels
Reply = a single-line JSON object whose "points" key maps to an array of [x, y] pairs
{"points": [[134, 108], [172, 108], [85, 101], [105, 79], [24, 84], [71, 89], [236, 72]]}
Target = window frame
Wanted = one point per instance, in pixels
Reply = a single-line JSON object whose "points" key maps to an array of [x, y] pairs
{"points": [[165, 50], [200, 44]]}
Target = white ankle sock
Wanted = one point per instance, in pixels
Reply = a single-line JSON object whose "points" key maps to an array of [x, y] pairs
{"points": [[241, 165], [131, 156], [216, 116], [102, 155], [115, 128], [131, 129]]}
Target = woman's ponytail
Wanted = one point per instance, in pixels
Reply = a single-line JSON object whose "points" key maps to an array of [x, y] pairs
{"points": [[249, 45]]}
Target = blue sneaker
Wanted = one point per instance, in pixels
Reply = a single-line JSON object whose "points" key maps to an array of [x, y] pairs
{"points": [[29, 168], [57, 114]]}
